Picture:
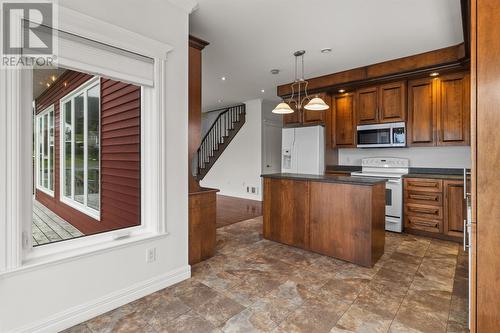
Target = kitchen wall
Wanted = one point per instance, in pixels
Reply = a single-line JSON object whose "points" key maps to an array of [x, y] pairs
{"points": [[239, 166], [427, 157]]}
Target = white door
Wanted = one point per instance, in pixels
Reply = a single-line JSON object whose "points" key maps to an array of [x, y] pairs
{"points": [[271, 148]]}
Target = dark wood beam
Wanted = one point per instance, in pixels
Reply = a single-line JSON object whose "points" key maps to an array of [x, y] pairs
{"points": [[449, 57], [466, 18]]}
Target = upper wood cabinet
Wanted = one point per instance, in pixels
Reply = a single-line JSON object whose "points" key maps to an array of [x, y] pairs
{"points": [[453, 110], [367, 105], [392, 102], [439, 111], [381, 104], [292, 119], [317, 116], [307, 117], [421, 112], [343, 124]]}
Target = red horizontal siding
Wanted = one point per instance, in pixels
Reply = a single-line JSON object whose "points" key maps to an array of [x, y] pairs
{"points": [[120, 154]]}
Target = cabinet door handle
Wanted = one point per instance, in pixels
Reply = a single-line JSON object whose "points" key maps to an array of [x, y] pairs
{"points": [[424, 210], [466, 246], [423, 184], [424, 197]]}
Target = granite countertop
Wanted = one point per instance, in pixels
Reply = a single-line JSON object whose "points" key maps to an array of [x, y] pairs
{"points": [[328, 178], [436, 173], [343, 168], [431, 173]]}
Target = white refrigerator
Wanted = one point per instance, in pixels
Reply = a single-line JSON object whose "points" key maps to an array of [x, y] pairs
{"points": [[303, 150]]}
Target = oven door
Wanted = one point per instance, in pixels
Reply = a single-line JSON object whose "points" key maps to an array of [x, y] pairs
{"points": [[394, 198]]}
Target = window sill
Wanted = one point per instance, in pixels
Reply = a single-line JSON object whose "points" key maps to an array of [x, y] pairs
{"points": [[38, 260], [46, 191]]}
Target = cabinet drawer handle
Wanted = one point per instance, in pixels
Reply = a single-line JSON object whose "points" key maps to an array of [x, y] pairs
{"points": [[423, 184], [434, 211], [424, 197], [424, 224]]}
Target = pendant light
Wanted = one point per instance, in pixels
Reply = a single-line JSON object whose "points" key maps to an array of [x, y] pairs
{"points": [[313, 104]]}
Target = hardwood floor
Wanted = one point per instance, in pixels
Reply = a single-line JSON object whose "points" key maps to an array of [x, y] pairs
{"points": [[231, 210]]}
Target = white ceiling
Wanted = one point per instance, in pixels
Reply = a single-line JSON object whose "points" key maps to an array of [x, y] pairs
{"points": [[250, 37]]}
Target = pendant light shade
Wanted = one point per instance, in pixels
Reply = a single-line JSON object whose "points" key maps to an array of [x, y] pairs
{"points": [[283, 108], [316, 104]]}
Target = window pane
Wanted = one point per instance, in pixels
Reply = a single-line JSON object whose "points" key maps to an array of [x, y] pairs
{"points": [[51, 150], [79, 149], [45, 176], [93, 144], [67, 149]]}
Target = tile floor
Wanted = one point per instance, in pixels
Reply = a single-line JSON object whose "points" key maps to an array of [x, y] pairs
{"points": [[254, 285]]}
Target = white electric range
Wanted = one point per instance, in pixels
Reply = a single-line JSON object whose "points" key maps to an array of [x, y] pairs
{"points": [[393, 169]]}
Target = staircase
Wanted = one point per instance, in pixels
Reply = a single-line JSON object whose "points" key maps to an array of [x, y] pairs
{"points": [[218, 137]]}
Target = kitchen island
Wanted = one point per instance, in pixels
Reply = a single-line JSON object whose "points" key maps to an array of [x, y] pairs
{"points": [[338, 216]]}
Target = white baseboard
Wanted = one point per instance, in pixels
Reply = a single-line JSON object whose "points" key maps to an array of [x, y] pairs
{"points": [[78, 314]]}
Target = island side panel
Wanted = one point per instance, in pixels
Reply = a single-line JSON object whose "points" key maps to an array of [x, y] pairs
{"points": [[341, 221], [378, 221], [286, 211]]}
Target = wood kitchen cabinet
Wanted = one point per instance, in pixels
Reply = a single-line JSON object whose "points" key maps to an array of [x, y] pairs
{"points": [[342, 124], [453, 110], [307, 117], [439, 111], [330, 216], [454, 208], [384, 103], [292, 119], [434, 207], [286, 207]]}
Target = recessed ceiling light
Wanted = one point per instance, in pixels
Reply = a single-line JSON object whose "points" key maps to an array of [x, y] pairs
{"points": [[326, 50], [262, 91], [275, 71], [219, 101], [53, 78], [434, 74], [341, 91], [223, 78]]}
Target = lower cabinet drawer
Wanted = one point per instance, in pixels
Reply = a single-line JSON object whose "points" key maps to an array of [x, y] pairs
{"points": [[427, 211], [421, 223], [423, 198]]}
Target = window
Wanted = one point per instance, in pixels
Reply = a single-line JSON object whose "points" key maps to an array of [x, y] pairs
{"points": [[44, 126], [80, 148]]}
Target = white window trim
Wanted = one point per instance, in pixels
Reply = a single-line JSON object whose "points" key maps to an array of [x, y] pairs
{"points": [[83, 88], [38, 185], [16, 251]]}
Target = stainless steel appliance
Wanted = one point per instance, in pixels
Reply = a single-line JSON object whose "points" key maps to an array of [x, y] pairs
{"points": [[382, 135], [393, 170]]}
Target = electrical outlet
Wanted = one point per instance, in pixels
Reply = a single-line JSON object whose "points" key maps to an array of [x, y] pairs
{"points": [[253, 190], [151, 255]]}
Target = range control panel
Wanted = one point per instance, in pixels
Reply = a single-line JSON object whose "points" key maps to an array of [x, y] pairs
{"points": [[385, 162]]}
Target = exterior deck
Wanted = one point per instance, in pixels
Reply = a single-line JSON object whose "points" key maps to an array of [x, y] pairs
{"points": [[48, 227]]}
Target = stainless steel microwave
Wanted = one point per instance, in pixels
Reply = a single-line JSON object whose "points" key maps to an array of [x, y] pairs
{"points": [[382, 135]]}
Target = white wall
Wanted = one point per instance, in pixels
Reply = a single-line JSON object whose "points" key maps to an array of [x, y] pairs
{"points": [[426, 157], [239, 165], [46, 295]]}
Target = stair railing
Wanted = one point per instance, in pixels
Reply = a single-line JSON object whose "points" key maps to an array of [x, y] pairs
{"points": [[218, 132]]}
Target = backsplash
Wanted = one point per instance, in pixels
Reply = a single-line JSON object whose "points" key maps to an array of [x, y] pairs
{"points": [[425, 157]]}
